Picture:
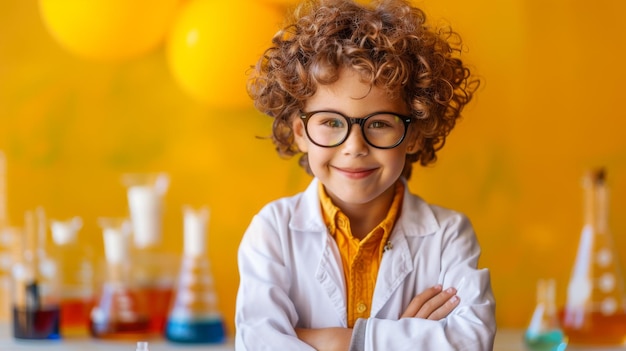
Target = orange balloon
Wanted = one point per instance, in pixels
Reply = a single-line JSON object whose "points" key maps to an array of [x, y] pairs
{"points": [[108, 29], [212, 45]]}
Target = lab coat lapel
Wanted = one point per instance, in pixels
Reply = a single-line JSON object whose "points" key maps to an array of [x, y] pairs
{"points": [[416, 219], [330, 276], [329, 272], [395, 266]]}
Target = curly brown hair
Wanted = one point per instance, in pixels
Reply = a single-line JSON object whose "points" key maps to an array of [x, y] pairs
{"points": [[391, 46]]}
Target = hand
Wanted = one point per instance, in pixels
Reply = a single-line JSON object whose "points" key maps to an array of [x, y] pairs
{"points": [[326, 339], [434, 304]]}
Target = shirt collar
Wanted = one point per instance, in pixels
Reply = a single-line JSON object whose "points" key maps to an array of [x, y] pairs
{"points": [[332, 214], [416, 218]]}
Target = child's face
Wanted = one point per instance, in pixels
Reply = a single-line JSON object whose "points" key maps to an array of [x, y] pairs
{"points": [[354, 172]]}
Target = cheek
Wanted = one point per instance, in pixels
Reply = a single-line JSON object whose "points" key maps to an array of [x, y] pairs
{"points": [[398, 162]]}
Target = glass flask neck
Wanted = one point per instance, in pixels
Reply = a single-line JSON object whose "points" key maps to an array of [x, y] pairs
{"points": [[596, 202]]}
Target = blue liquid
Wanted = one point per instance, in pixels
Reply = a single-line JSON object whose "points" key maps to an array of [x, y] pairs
{"points": [[39, 323], [195, 331], [546, 341]]}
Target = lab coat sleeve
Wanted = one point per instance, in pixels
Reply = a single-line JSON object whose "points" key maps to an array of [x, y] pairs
{"points": [[265, 315], [470, 326]]}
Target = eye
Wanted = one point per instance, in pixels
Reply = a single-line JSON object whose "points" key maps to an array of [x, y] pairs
{"points": [[383, 121], [329, 120], [334, 123], [378, 124]]}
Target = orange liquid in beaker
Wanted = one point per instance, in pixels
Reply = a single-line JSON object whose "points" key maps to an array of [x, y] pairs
{"points": [[159, 299], [134, 330], [75, 316], [597, 329]]}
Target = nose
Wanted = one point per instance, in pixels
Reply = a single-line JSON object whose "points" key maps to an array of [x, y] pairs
{"points": [[355, 144]]}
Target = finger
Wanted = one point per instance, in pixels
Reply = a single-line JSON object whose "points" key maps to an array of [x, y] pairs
{"points": [[435, 302], [443, 311], [418, 301]]}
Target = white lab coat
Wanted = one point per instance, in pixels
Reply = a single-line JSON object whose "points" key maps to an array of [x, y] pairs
{"points": [[291, 276]]}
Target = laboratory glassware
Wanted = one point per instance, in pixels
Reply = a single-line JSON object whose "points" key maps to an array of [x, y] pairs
{"points": [[154, 268], [36, 310], [8, 242], [75, 274], [194, 317], [595, 310], [120, 311], [544, 331], [7, 239]]}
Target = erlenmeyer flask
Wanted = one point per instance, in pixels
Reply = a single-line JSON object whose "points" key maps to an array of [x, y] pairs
{"points": [[544, 331], [595, 311], [35, 290], [154, 268], [75, 275], [194, 316], [6, 244], [120, 312]]}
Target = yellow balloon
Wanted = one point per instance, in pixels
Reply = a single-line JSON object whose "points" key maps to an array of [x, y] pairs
{"points": [[212, 45], [108, 29]]}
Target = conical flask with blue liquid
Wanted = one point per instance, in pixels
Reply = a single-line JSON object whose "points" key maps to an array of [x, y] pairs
{"points": [[194, 317], [544, 331]]}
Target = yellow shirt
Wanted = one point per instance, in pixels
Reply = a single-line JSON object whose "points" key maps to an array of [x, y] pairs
{"points": [[360, 258]]}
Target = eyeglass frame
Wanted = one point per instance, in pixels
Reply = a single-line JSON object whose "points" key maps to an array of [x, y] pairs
{"points": [[304, 117]]}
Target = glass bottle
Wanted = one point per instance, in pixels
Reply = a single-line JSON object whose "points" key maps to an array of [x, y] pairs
{"points": [[544, 331], [154, 269], [194, 316], [595, 311], [6, 245], [8, 242], [76, 276], [36, 310], [120, 311]]}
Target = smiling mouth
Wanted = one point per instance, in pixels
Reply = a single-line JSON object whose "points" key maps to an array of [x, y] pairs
{"points": [[357, 173]]}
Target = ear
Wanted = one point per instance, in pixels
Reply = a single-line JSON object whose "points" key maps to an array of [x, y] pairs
{"points": [[412, 147], [413, 142], [299, 134]]}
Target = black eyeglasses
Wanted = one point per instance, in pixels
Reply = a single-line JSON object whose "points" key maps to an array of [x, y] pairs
{"points": [[382, 130]]}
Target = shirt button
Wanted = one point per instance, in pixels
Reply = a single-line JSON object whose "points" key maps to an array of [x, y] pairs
{"points": [[360, 308]]}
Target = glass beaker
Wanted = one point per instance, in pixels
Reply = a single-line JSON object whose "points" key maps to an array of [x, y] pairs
{"points": [[544, 332], [75, 275], [120, 311], [595, 311], [36, 310], [154, 269], [6, 244], [194, 316]]}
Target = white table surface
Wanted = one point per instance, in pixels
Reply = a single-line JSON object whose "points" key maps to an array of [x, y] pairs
{"points": [[506, 340], [8, 343]]}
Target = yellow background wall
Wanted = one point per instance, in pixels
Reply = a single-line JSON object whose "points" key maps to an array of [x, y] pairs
{"points": [[551, 105]]}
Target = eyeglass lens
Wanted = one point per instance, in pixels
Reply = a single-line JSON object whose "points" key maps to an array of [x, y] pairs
{"points": [[381, 130]]}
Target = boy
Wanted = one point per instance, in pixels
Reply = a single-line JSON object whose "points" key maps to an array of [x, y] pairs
{"points": [[357, 262]]}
